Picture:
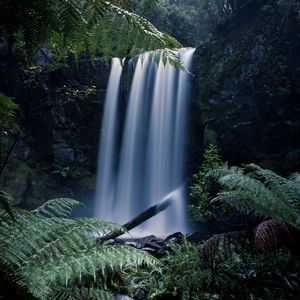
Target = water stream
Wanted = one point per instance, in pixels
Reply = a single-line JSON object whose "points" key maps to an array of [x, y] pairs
{"points": [[149, 163]]}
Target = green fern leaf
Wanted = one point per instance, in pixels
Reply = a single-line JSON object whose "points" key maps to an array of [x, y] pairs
{"points": [[59, 207]]}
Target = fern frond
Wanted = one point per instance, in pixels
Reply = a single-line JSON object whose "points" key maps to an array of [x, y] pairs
{"points": [[6, 203], [87, 293], [67, 268], [279, 185], [272, 197], [59, 207], [51, 237], [7, 114], [49, 255], [271, 235], [69, 26], [294, 184]]}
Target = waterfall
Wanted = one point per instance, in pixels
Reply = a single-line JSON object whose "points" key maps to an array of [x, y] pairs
{"points": [[150, 161], [107, 147]]}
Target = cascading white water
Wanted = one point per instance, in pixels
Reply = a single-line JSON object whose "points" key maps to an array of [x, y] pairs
{"points": [[151, 157], [106, 157]]}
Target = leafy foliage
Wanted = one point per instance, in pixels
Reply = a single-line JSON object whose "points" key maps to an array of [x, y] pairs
{"points": [[226, 241], [181, 276], [45, 254], [240, 274], [8, 127], [186, 20], [261, 192], [220, 11], [6, 201], [7, 113], [234, 274], [202, 186], [75, 26]]}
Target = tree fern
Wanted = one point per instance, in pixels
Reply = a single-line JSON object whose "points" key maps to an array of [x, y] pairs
{"points": [[75, 26], [259, 191], [47, 254]]}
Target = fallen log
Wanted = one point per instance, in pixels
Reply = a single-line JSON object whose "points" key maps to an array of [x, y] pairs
{"points": [[142, 217]]}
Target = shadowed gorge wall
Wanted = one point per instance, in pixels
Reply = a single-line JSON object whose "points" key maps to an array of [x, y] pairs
{"points": [[247, 85]]}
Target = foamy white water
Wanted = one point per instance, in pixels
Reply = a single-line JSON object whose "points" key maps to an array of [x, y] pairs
{"points": [[151, 155]]}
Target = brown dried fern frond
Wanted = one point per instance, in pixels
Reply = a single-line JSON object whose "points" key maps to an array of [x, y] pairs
{"points": [[224, 242], [271, 235]]}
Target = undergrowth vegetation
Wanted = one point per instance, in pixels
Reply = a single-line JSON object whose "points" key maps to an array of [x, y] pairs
{"points": [[203, 188], [234, 273], [46, 255]]}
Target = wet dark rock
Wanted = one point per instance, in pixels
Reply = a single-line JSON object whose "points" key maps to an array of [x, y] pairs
{"points": [[136, 280], [17, 181], [152, 244], [3, 47], [175, 238], [63, 154], [140, 294], [197, 237], [134, 244], [267, 9], [66, 192], [122, 297], [152, 251], [246, 82], [120, 241], [62, 123], [166, 296], [43, 56]]}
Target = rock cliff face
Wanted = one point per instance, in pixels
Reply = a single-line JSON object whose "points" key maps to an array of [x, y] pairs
{"points": [[247, 85], [61, 107]]}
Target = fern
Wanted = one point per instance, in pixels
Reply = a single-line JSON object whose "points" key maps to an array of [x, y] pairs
{"points": [[60, 207], [201, 187], [76, 26], [47, 254], [259, 191], [88, 294], [7, 115], [6, 202]]}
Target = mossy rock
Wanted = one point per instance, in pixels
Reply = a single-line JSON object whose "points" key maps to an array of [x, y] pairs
{"points": [[16, 181]]}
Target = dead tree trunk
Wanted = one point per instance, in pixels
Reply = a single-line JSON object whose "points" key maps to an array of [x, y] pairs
{"points": [[142, 217]]}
